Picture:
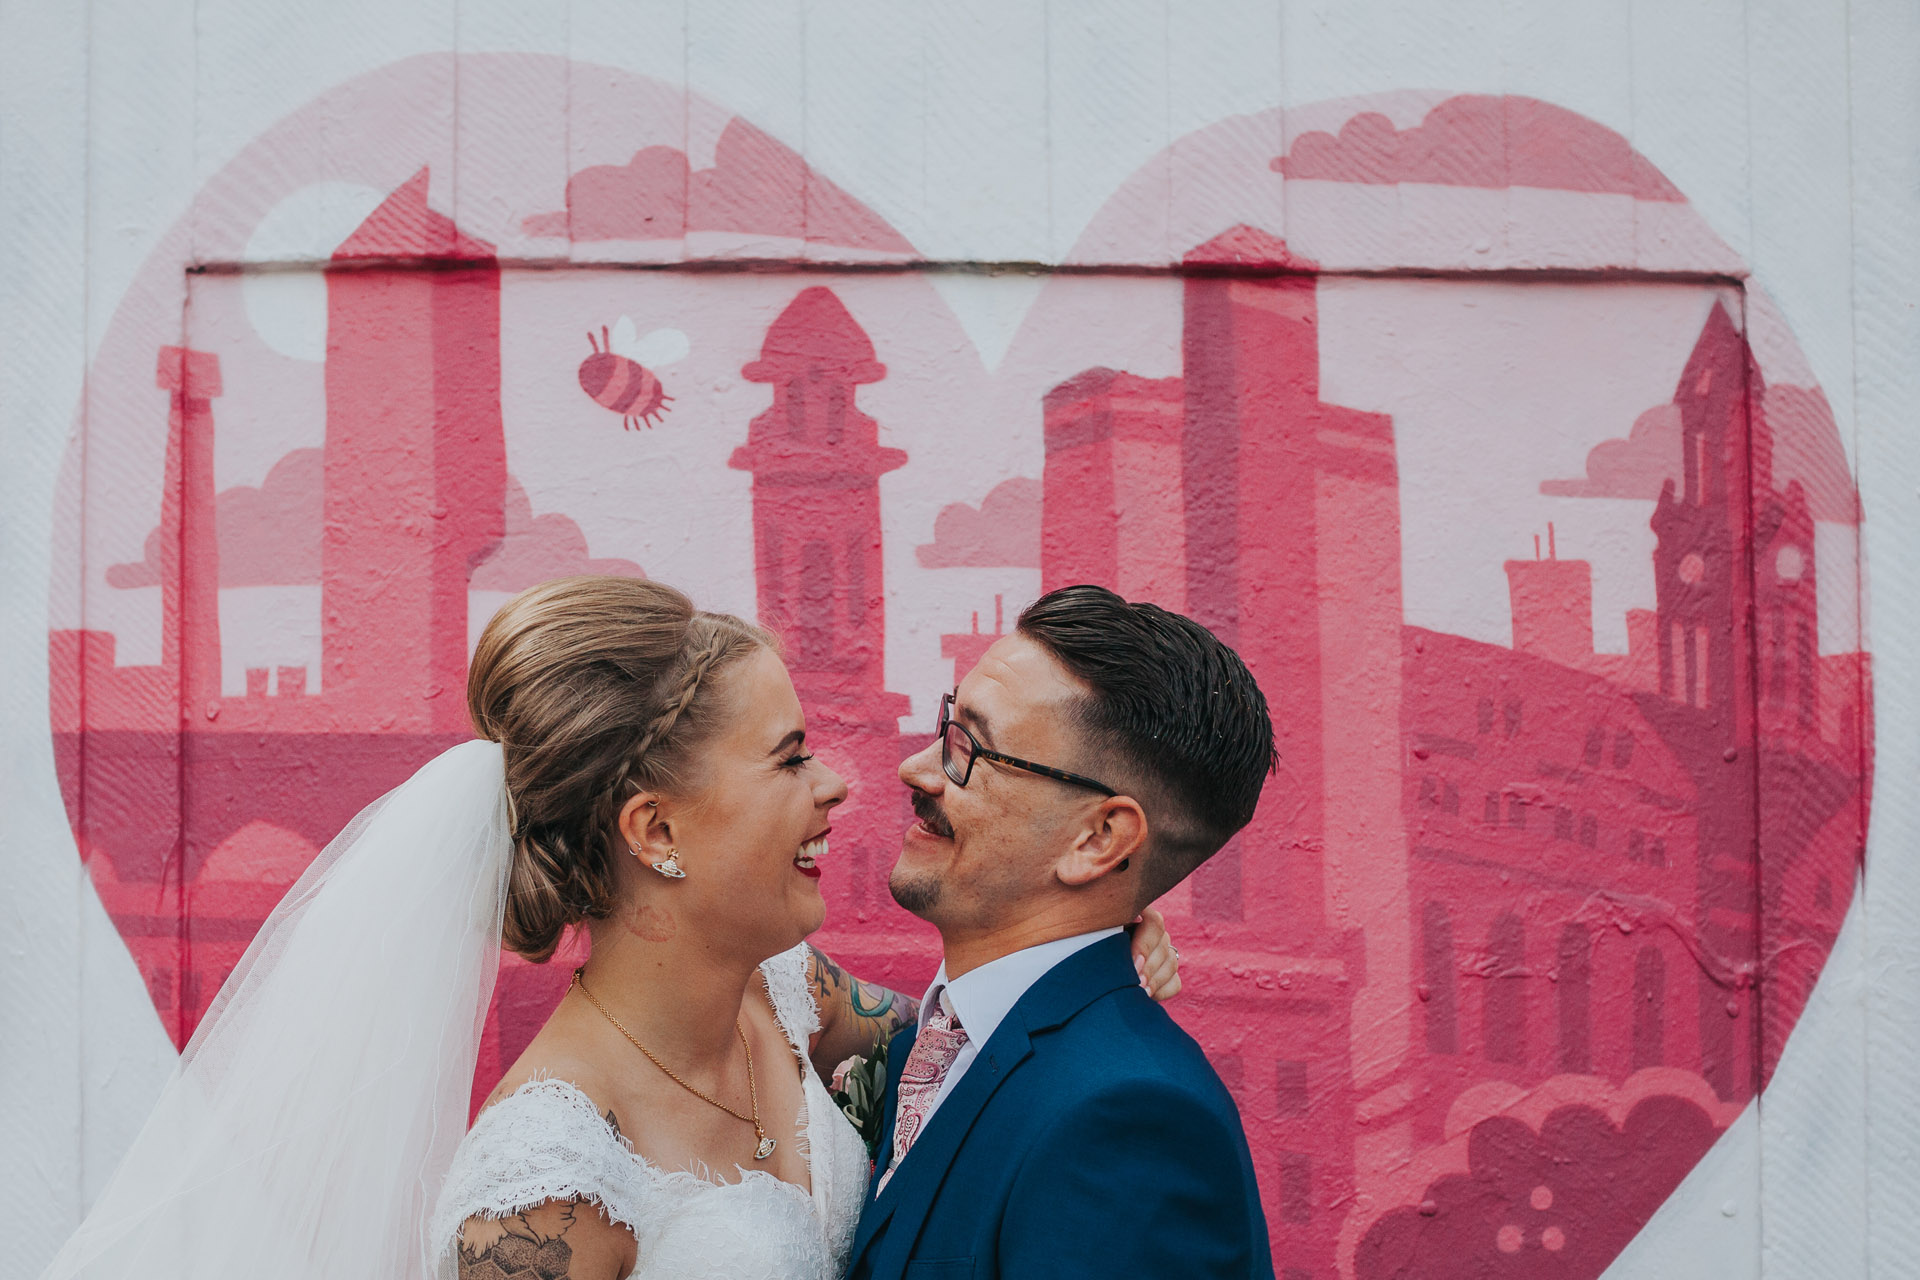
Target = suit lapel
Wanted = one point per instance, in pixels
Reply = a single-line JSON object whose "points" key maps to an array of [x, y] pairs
{"points": [[1066, 989], [877, 1210], [909, 1194]]}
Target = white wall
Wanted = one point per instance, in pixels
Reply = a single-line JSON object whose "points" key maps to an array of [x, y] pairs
{"points": [[992, 132]]}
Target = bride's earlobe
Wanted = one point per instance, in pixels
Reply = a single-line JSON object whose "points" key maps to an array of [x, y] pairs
{"points": [[668, 866]]}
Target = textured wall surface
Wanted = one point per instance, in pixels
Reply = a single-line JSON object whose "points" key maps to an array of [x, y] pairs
{"points": [[1523, 390]]}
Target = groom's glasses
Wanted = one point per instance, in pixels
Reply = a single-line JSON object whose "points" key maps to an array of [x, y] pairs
{"points": [[959, 749]]}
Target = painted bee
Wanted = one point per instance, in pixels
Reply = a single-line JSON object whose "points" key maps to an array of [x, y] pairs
{"points": [[615, 378]]}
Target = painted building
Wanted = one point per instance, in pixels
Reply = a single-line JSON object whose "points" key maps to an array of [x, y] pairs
{"points": [[1616, 802]]}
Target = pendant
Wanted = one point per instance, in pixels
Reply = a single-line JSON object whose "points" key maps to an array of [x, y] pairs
{"points": [[765, 1148]]}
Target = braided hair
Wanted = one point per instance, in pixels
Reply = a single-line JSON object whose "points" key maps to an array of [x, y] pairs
{"points": [[597, 688]]}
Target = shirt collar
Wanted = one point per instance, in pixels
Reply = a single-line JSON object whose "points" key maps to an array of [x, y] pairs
{"points": [[982, 998]]}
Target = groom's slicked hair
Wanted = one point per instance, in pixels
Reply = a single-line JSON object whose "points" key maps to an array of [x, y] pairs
{"points": [[1172, 709]]}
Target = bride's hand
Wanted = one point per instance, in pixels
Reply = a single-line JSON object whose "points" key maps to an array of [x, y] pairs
{"points": [[1155, 958]]}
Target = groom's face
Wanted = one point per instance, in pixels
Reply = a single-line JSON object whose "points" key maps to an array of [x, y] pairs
{"points": [[979, 853]]}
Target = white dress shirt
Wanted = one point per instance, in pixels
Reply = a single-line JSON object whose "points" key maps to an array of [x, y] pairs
{"points": [[981, 998]]}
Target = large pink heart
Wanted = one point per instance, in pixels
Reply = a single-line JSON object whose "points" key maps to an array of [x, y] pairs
{"points": [[1520, 926]]}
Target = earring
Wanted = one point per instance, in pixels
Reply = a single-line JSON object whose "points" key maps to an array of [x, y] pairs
{"points": [[670, 867]]}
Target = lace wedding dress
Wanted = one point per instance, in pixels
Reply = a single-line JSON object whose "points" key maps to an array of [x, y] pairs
{"points": [[547, 1141]]}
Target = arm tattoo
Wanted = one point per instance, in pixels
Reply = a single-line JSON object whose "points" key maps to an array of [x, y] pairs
{"points": [[492, 1249], [882, 1011], [828, 977], [869, 1001]]}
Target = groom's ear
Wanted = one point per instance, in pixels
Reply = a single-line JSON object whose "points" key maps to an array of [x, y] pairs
{"points": [[1111, 843]]}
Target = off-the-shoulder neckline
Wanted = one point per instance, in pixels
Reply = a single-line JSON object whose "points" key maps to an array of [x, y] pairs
{"points": [[675, 1179]]}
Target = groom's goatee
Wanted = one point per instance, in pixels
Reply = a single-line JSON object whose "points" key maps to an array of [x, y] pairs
{"points": [[915, 896], [927, 809], [919, 895]]}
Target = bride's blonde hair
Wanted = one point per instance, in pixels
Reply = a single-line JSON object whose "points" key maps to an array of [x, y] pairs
{"points": [[597, 688]]}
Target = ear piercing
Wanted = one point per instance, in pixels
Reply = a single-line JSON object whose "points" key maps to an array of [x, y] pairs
{"points": [[668, 866]]}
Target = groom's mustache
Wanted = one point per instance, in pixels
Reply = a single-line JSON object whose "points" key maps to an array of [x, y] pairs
{"points": [[927, 809]]}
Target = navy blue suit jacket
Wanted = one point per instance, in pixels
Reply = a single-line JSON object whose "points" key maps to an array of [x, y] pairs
{"points": [[1089, 1137]]}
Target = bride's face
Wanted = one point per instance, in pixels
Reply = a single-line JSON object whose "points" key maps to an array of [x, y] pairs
{"points": [[753, 839]]}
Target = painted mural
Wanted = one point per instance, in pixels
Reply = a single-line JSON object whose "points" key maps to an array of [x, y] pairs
{"points": [[1447, 411]]}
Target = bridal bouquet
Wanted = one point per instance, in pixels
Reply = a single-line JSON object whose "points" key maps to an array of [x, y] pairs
{"points": [[858, 1086]]}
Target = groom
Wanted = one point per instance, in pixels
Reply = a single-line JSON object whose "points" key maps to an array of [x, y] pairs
{"points": [[1045, 1118]]}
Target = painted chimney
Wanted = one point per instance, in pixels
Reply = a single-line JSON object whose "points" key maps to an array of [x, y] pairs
{"points": [[189, 543], [1552, 606]]}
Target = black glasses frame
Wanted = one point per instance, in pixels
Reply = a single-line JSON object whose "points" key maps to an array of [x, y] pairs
{"points": [[977, 752]]}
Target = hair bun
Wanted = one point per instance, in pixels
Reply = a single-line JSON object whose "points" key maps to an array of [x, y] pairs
{"points": [[596, 688]]}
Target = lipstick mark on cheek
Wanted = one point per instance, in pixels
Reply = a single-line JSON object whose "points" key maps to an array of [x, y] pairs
{"points": [[650, 924]]}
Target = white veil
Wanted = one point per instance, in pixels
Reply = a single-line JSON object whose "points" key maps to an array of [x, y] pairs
{"points": [[314, 1113]]}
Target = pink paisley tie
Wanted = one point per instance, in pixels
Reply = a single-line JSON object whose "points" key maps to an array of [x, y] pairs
{"points": [[938, 1044]]}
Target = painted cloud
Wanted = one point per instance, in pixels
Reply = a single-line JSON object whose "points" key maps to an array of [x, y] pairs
{"points": [[1806, 449], [756, 185], [270, 536], [537, 548], [1003, 530], [1632, 468], [1476, 140]]}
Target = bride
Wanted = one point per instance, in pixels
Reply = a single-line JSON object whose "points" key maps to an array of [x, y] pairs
{"points": [[643, 774]]}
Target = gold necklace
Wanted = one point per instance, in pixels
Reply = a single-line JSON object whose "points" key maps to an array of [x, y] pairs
{"points": [[767, 1144]]}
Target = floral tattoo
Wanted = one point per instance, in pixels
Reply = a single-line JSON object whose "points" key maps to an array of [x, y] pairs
{"points": [[531, 1245]]}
